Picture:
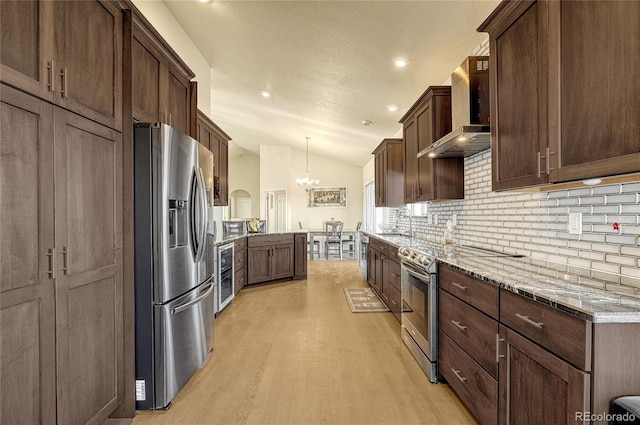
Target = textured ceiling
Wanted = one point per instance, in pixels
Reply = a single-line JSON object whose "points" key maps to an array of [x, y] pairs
{"points": [[328, 65]]}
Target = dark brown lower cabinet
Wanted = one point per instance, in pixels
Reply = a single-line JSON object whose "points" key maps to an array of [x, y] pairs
{"points": [[272, 257], [239, 264], [384, 274], [537, 387]]}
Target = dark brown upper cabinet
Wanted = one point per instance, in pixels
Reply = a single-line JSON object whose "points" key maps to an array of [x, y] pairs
{"points": [[161, 82], [389, 173], [563, 100], [427, 179], [79, 70], [217, 141]]}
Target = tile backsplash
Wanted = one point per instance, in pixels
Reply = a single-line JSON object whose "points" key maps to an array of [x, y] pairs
{"points": [[535, 224]]}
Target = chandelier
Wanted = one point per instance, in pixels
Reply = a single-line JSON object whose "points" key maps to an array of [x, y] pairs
{"points": [[307, 183]]}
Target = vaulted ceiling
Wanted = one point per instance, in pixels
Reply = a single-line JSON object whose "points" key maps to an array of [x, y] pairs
{"points": [[327, 64]]}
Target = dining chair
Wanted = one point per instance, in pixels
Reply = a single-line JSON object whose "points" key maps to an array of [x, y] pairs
{"points": [[333, 236]]}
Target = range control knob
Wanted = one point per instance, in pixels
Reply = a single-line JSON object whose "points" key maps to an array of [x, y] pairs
{"points": [[404, 251], [424, 260]]}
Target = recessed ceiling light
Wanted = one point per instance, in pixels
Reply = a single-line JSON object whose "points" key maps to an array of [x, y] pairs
{"points": [[400, 62], [431, 155], [265, 93], [366, 123], [392, 107], [205, 1]]}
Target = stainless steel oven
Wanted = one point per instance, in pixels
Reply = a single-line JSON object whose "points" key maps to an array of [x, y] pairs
{"points": [[419, 309]]}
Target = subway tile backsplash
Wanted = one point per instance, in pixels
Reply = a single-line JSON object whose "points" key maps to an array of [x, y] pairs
{"points": [[535, 224]]}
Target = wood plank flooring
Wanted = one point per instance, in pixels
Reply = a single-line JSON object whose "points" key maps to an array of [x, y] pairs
{"points": [[293, 353]]}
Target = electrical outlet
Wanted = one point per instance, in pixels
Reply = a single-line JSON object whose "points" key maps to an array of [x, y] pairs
{"points": [[435, 219], [429, 219], [454, 219], [575, 223]]}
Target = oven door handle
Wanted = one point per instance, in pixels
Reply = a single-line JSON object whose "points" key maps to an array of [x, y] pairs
{"points": [[415, 273]]}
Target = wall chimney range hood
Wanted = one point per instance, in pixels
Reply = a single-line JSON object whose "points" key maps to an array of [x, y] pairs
{"points": [[469, 112]]}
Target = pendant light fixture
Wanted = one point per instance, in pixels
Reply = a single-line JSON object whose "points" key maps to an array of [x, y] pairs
{"points": [[307, 183]]}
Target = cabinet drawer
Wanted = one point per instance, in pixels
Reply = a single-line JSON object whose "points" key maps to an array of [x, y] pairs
{"points": [[393, 274], [394, 302], [240, 244], [269, 240], [239, 279], [378, 245], [475, 387], [474, 331], [393, 253], [563, 334], [240, 258], [482, 295]]}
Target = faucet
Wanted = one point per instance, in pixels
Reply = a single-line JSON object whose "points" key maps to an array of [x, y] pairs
{"points": [[407, 211]]}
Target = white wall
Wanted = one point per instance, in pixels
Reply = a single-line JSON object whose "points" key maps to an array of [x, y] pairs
{"points": [[165, 23], [244, 173], [331, 173]]}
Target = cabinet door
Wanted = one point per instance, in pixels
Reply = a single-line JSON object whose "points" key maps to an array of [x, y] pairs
{"points": [[89, 59], [372, 255], [424, 121], [179, 102], [27, 49], [282, 257], [598, 108], [518, 72], [223, 154], [27, 269], [88, 208], [147, 68], [536, 387], [378, 179], [410, 133], [258, 264]]}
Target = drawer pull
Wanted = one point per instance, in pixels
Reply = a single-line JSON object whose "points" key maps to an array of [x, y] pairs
{"points": [[457, 285], [457, 372], [529, 321], [395, 275], [459, 325]]}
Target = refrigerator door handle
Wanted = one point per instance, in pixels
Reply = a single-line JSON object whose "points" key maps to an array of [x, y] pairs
{"points": [[189, 304], [203, 215]]}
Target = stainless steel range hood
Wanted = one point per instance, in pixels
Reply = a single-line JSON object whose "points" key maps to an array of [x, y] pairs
{"points": [[469, 112]]}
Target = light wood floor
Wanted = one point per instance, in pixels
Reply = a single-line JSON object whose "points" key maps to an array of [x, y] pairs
{"points": [[293, 353]]}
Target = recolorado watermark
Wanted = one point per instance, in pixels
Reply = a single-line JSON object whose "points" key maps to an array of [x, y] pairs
{"points": [[605, 417]]}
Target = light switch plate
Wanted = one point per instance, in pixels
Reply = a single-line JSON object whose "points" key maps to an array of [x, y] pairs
{"points": [[454, 219], [575, 223], [429, 219]]}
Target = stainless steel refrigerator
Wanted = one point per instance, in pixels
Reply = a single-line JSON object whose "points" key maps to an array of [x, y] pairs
{"points": [[174, 261]]}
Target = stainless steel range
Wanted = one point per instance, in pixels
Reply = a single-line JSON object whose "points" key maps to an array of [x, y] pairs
{"points": [[419, 308]]}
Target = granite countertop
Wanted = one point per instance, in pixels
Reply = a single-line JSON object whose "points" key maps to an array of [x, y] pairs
{"points": [[566, 288]]}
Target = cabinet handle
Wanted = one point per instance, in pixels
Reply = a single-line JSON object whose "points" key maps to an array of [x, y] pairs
{"points": [[170, 118], [457, 372], [395, 275], [547, 154], [52, 268], [65, 253], [394, 302], [51, 83], [457, 285], [539, 164], [498, 341], [64, 90], [459, 325], [529, 321]]}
